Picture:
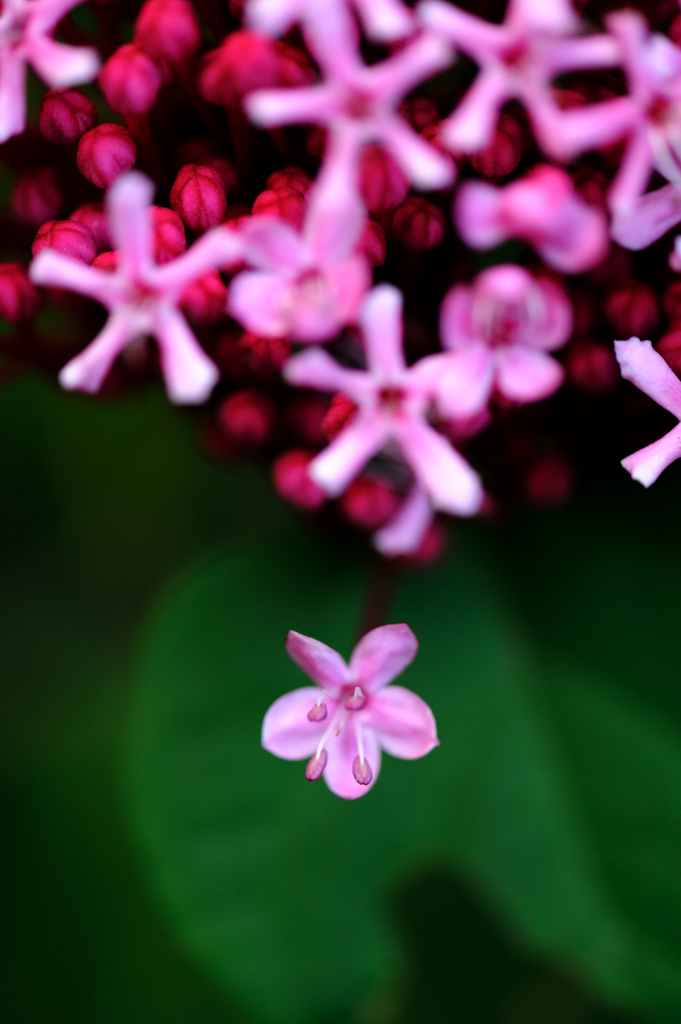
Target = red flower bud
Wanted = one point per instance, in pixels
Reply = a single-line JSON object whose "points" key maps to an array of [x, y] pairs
{"points": [[369, 502], [198, 196], [245, 61], [292, 482], [93, 215], [104, 153], [672, 299], [264, 356], [36, 196], [417, 224], [549, 481], [591, 366], [382, 181], [107, 261], [169, 237], [631, 308], [168, 30], [503, 153], [130, 80], [286, 203], [65, 114], [341, 411], [420, 113], [669, 346], [290, 177], [19, 299], [592, 186], [247, 417], [372, 243], [68, 237], [295, 67], [205, 300]]}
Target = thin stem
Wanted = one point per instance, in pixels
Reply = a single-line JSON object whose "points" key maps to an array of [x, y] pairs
{"points": [[384, 577]]}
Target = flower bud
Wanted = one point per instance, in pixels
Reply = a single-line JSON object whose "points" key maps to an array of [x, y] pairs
{"points": [[369, 502], [36, 196], [106, 261], [292, 482], [672, 299], [65, 114], [104, 153], [169, 237], [382, 181], [341, 411], [420, 113], [247, 418], [264, 357], [549, 481], [19, 299], [295, 67], [243, 62], [290, 177], [67, 237], [168, 30], [631, 308], [130, 80], [205, 299], [591, 366], [669, 347], [286, 203], [372, 243], [503, 153], [418, 224], [93, 215], [198, 196]]}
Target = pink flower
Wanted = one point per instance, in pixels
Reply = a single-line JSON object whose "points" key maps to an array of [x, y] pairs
{"points": [[641, 364], [544, 209], [306, 286], [519, 59], [393, 401], [142, 297], [344, 722], [358, 103], [404, 532], [499, 330], [26, 30], [382, 20]]}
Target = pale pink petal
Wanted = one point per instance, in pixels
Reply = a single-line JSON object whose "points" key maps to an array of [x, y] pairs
{"points": [[651, 216], [551, 16], [348, 453], [450, 482], [526, 374], [60, 65], [633, 174], [418, 60], [286, 731], [218, 248], [330, 34], [127, 207], [273, 17], [271, 244], [385, 20], [425, 166], [382, 655], [320, 662], [381, 323], [644, 367], [465, 383], [477, 213], [646, 465], [556, 327], [342, 751], [53, 268], [336, 213], [456, 323], [271, 108], [350, 280], [323, 303], [471, 126], [87, 371], [263, 303], [564, 134], [45, 14], [403, 534], [597, 51], [402, 723], [468, 33], [582, 243], [189, 374], [316, 369], [12, 93]]}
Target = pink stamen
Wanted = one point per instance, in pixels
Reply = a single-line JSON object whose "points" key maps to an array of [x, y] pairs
{"points": [[362, 771], [317, 712], [316, 765], [357, 701]]}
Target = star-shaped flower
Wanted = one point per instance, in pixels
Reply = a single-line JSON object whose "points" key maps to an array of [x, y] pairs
{"points": [[344, 722], [141, 296], [26, 31], [393, 402]]}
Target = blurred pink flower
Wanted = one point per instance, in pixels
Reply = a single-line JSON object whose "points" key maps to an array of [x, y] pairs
{"points": [[404, 532], [519, 59], [142, 297], [26, 31], [382, 20], [393, 401], [344, 722], [499, 330], [542, 208], [644, 367]]}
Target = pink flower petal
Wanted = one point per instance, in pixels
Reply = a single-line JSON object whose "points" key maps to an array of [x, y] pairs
{"points": [[381, 322], [12, 93], [52, 268], [382, 655], [342, 752], [60, 65], [87, 371], [404, 70], [633, 174], [471, 126], [403, 534], [127, 207], [262, 302], [336, 215], [320, 662], [189, 374], [646, 465], [270, 244], [271, 108], [286, 731], [403, 723], [638, 226], [477, 213], [527, 375], [644, 367], [385, 20], [465, 383], [331, 35], [423, 164], [316, 369], [446, 476], [218, 248], [340, 463]]}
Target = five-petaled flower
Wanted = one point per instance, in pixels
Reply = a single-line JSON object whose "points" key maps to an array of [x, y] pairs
{"points": [[344, 722], [26, 31], [393, 401], [141, 296]]}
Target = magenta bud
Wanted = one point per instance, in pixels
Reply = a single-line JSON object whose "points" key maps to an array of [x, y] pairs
{"points": [[104, 153], [19, 298], [290, 177], [317, 713], [369, 503], [247, 417], [383, 183], [503, 153], [362, 771], [36, 196], [631, 308], [198, 197], [205, 299], [106, 261], [68, 237], [130, 80], [357, 701], [418, 224], [293, 483], [93, 215], [169, 237], [284, 202], [316, 765], [372, 243], [65, 114], [168, 30], [244, 61]]}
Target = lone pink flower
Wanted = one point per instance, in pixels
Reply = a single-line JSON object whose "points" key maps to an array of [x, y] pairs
{"points": [[499, 330], [26, 31], [344, 722], [382, 20], [393, 402], [544, 209], [141, 296], [641, 364]]}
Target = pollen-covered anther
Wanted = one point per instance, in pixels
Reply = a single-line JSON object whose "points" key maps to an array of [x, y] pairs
{"points": [[361, 769], [317, 713], [357, 701], [316, 765]]}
